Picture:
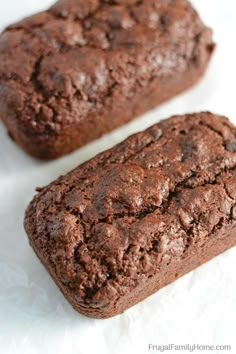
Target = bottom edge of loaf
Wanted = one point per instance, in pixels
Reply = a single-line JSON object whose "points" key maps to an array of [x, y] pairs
{"points": [[213, 247]]}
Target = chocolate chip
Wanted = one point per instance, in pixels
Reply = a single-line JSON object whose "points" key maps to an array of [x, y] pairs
{"points": [[230, 145], [187, 148], [156, 133]]}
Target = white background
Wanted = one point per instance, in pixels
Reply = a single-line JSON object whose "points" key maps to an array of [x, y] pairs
{"points": [[198, 308]]}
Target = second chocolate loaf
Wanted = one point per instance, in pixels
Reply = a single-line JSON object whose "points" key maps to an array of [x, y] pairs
{"points": [[84, 67], [138, 216]]}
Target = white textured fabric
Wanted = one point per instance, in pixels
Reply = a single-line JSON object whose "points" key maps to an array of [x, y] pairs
{"points": [[198, 308]]}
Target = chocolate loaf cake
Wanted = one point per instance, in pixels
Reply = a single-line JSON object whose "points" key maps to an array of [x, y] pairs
{"points": [[84, 67], [138, 216]]}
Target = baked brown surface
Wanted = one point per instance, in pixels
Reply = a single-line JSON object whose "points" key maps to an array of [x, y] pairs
{"points": [[84, 67], [138, 216]]}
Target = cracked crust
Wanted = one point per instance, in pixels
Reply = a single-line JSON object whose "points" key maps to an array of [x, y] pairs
{"points": [[136, 217], [84, 68]]}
